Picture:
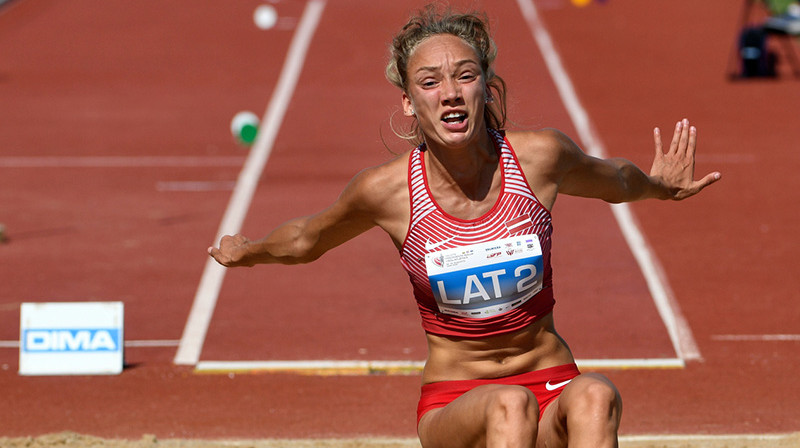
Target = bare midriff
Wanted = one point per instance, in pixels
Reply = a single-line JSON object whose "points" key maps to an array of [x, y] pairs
{"points": [[534, 347]]}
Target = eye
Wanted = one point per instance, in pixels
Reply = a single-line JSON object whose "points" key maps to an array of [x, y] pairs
{"points": [[428, 83], [466, 76]]}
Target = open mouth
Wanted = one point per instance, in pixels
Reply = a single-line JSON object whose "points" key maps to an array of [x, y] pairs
{"points": [[454, 117]]}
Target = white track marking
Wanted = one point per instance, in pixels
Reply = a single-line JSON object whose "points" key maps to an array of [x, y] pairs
{"points": [[205, 299], [757, 337], [117, 161], [314, 367], [364, 367], [679, 332], [195, 186], [731, 439]]}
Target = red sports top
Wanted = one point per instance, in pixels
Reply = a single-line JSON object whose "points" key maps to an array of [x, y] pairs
{"points": [[516, 212]]}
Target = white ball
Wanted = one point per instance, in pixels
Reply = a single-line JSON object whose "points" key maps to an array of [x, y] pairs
{"points": [[241, 120], [265, 17]]}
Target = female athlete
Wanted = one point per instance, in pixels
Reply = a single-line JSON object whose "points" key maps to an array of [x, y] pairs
{"points": [[469, 211]]}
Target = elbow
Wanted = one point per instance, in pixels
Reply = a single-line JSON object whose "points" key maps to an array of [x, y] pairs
{"points": [[633, 185], [302, 247], [299, 251], [620, 190]]}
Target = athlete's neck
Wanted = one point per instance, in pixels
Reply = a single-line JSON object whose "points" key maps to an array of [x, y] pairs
{"points": [[469, 170]]}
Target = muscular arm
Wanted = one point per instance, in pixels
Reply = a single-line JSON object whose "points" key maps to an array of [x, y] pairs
{"points": [[569, 170], [368, 200], [613, 180]]}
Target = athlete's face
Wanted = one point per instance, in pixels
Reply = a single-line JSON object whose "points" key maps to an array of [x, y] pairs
{"points": [[446, 91]]}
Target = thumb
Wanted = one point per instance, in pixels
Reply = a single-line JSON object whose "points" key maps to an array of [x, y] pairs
{"points": [[699, 185], [709, 179], [215, 253]]}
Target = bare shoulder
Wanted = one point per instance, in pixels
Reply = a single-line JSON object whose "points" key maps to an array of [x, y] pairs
{"points": [[381, 192], [544, 155], [540, 145], [379, 183]]}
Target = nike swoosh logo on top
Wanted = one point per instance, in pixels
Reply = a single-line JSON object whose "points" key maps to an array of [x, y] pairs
{"points": [[552, 387], [429, 246]]}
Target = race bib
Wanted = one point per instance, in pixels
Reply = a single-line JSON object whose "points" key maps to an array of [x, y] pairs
{"points": [[486, 279]]}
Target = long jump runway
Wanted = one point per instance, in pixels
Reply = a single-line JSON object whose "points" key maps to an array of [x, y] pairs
{"points": [[322, 312], [137, 174]]}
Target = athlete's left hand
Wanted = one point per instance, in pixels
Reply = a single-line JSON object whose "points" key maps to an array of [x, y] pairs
{"points": [[675, 168]]}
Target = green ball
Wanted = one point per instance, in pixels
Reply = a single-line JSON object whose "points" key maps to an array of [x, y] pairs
{"points": [[244, 127], [248, 133]]}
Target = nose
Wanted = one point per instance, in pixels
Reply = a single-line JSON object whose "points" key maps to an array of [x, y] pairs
{"points": [[451, 91]]}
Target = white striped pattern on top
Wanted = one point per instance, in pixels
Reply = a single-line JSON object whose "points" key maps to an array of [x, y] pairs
{"points": [[517, 211]]}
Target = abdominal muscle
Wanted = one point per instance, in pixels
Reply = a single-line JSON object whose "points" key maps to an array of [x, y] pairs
{"points": [[534, 347]]}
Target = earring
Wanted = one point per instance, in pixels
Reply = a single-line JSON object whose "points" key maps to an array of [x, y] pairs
{"points": [[489, 99]]}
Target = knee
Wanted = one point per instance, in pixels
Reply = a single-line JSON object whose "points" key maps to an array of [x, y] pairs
{"points": [[513, 404], [597, 398]]}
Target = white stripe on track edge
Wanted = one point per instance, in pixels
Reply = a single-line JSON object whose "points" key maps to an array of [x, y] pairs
{"points": [[757, 337], [364, 367], [729, 438], [205, 300], [678, 329]]}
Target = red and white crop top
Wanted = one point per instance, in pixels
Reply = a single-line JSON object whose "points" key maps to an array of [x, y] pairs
{"points": [[479, 277]]}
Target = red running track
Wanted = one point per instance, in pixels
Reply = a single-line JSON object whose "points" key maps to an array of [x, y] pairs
{"points": [[163, 80]]}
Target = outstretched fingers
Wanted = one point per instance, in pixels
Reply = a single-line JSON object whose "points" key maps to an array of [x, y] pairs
{"points": [[683, 143], [675, 167], [676, 139], [692, 141], [684, 139], [657, 140]]}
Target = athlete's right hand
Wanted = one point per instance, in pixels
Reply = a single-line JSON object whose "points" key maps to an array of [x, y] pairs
{"points": [[232, 251]]}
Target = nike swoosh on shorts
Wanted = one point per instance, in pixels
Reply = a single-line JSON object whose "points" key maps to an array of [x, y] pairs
{"points": [[555, 386]]}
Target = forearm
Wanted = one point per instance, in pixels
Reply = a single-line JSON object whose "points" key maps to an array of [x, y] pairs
{"points": [[305, 239], [633, 184], [290, 243]]}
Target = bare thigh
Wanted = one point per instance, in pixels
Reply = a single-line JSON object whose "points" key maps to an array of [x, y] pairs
{"points": [[586, 393], [463, 422]]}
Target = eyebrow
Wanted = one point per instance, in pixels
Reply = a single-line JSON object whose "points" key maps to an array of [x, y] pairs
{"points": [[433, 68]]}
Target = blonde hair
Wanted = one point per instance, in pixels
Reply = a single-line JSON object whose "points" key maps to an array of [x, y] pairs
{"points": [[473, 29]]}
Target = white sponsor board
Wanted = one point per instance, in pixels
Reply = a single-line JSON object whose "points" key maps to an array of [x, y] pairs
{"points": [[71, 338]]}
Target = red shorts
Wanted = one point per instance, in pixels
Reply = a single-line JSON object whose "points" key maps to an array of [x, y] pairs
{"points": [[546, 385]]}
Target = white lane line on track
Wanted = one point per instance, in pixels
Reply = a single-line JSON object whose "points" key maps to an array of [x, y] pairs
{"points": [[734, 440], [117, 161], [731, 439], [365, 367], [205, 299], [197, 186], [757, 337], [678, 329]]}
